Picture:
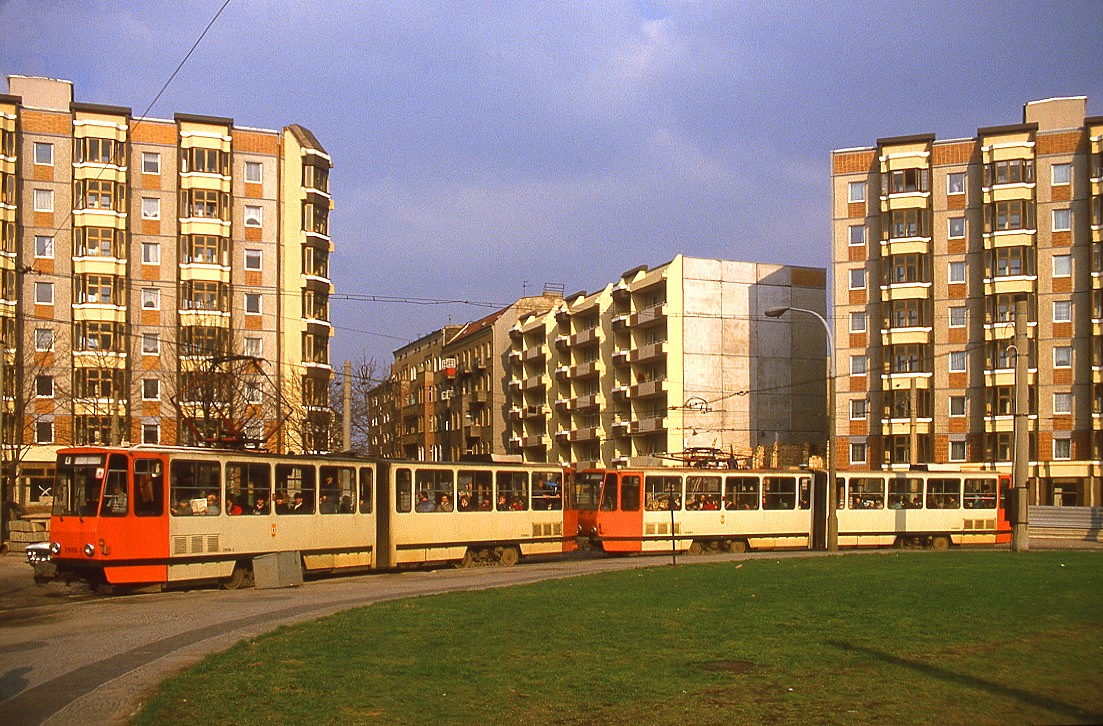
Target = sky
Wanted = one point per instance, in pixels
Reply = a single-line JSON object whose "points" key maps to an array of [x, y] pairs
{"points": [[485, 149]]}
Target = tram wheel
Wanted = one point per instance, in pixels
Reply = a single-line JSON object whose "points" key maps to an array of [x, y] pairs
{"points": [[738, 546], [241, 577], [940, 544], [468, 558], [695, 548], [509, 557]]}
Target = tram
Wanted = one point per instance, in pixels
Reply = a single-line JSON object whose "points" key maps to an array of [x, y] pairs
{"points": [[161, 515], [697, 510]]}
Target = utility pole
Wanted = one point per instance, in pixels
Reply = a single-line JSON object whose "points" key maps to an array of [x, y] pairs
{"points": [[1020, 538], [346, 422]]}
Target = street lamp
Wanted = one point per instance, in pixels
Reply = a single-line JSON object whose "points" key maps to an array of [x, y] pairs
{"points": [[832, 514]]}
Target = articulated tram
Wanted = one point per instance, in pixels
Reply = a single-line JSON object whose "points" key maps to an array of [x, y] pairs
{"points": [[697, 510], [161, 515]]}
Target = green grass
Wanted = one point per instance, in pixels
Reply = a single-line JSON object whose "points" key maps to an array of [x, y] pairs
{"points": [[961, 637]]}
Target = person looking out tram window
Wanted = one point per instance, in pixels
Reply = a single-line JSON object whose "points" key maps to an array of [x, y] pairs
{"points": [[182, 508], [232, 507], [424, 503], [282, 507], [445, 503], [114, 502], [212, 504], [260, 506]]}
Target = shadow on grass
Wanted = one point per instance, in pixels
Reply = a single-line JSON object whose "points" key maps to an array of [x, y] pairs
{"points": [[997, 689]]}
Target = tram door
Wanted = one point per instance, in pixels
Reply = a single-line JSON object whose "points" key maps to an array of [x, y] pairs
{"points": [[820, 502], [1004, 506], [133, 521], [620, 517]]}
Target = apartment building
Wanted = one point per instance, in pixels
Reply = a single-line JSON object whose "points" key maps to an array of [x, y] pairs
{"points": [[933, 243], [668, 359], [164, 280]]}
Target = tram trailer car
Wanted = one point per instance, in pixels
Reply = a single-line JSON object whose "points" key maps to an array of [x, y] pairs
{"points": [[160, 515], [697, 510]]}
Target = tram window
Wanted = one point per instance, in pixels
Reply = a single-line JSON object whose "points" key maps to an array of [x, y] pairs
{"points": [[943, 493], [114, 502], [980, 494], [609, 493], [662, 493], [905, 493], [476, 490], [867, 492], [547, 490], [338, 490], [630, 493], [513, 490], [585, 491], [250, 486], [779, 492], [77, 485], [366, 478], [403, 488], [195, 487], [804, 501], [435, 490], [703, 493], [741, 492], [149, 488], [840, 493], [301, 485]]}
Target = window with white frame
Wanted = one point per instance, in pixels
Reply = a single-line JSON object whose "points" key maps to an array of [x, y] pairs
{"points": [[43, 200], [858, 322], [43, 246], [959, 316], [43, 339], [151, 162], [955, 227], [254, 215], [859, 408], [151, 433], [1062, 311], [151, 389], [151, 298], [254, 172], [857, 235], [957, 406], [151, 208], [958, 359], [1062, 220], [43, 153], [1062, 448], [955, 183], [856, 191], [151, 344], [1062, 174], [253, 347], [1062, 265], [857, 453], [957, 451], [44, 386], [151, 253], [252, 259], [858, 279], [1062, 403], [1062, 356], [44, 293], [44, 432], [252, 392], [858, 365], [956, 271], [252, 303]]}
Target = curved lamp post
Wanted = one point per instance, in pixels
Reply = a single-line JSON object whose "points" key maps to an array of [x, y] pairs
{"points": [[832, 514]]}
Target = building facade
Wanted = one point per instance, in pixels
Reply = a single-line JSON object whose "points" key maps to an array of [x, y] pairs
{"points": [[164, 281], [671, 359], [933, 243]]}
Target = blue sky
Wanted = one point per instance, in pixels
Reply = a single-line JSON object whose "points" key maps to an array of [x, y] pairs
{"points": [[485, 149]]}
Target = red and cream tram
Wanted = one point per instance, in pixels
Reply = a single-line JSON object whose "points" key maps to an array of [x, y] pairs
{"points": [[692, 509], [159, 515]]}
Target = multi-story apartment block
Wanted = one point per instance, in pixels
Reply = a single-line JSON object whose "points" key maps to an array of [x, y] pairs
{"points": [[933, 243], [164, 281], [670, 359]]}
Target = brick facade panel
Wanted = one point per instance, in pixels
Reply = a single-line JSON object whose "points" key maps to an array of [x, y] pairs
{"points": [[44, 122], [1060, 143], [961, 152], [256, 143], [852, 162], [152, 132]]}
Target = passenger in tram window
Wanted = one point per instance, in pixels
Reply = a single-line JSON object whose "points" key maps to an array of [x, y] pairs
{"points": [[503, 503], [114, 502], [328, 503], [232, 507], [346, 505], [710, 504], [212, 504], [445, 503], [280, 499], [518, 504], [260, 506], [424, 503], [298, 504], [484, 503], [182, 508], [465, 502]]}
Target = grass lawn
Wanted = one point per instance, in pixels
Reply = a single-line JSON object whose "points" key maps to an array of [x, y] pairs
{"points": [[889, 637]]}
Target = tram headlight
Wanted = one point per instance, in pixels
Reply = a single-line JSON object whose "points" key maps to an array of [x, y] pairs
{"points": [[89, 550], [55, 548]]}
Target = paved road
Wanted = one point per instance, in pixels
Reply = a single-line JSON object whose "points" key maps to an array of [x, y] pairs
{"points": [[70, 657]]}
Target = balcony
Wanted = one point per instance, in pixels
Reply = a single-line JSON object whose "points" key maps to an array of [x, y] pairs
{"points": [[648, 316], [586, 433], [583, 370], [903, 380], [919, 335], [647, 352], [590, 336], [531, 412], [906, 291], [535, 441], [1010, 284], [515, 357], [903, 426], [533, 354], [480, 397], [532, 382], [646, 389]]}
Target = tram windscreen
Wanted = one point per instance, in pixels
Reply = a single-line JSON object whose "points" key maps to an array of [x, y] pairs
{"points": [[77, 485], [586, 490]]}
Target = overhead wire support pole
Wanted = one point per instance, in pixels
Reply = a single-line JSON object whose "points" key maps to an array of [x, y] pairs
{"points": [[1020, 461]]}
